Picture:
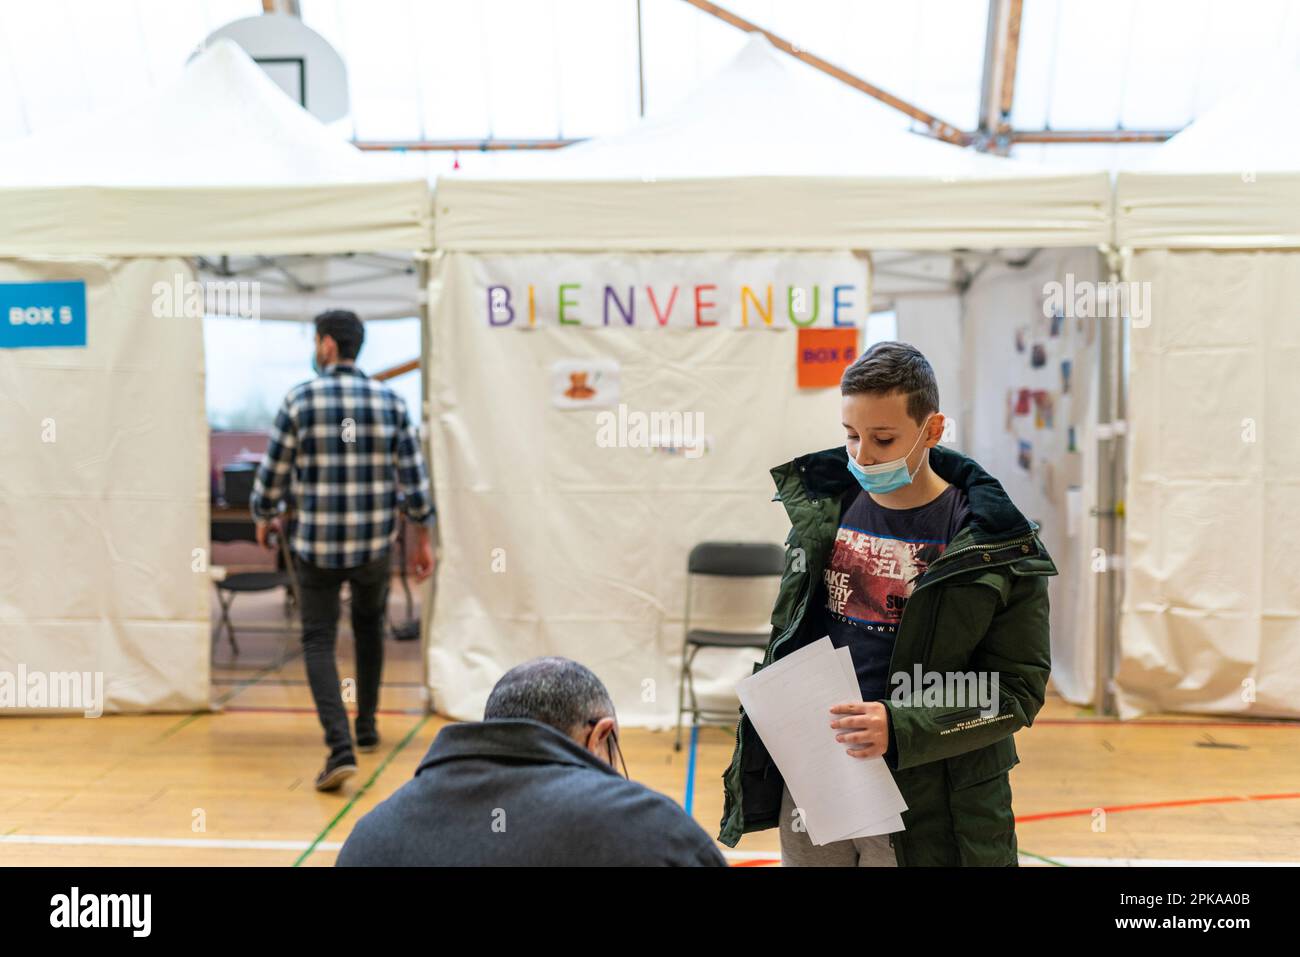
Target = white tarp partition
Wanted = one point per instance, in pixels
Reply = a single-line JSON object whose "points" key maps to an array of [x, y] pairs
{"points": [[759, 160], [218, 161], [105, 531], [1210, 619], [555, 544], [1054, 484], [1211, 611], [105, 495]]}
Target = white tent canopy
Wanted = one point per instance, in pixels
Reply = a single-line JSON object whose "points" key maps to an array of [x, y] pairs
{"points": [[763, 157], [1229, 180], [1210, 620], [218, 161], [554, 545], [105, 527]]}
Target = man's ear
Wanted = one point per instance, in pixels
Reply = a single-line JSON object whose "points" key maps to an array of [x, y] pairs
{"points": [[598, 740]]}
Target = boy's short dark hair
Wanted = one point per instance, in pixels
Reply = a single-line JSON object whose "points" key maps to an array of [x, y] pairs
{"points": [[889, 367], [344, 328]]}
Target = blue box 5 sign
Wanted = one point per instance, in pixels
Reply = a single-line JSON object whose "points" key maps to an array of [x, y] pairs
{"points": [[41, 315]]}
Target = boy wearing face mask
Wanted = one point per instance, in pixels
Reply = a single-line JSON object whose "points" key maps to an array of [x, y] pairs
{"points": [[915, 559]]}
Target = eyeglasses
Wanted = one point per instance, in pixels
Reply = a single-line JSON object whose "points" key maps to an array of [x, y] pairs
{"points": [[613, 745]]}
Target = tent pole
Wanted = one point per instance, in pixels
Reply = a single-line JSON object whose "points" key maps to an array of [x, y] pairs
{"points": [[1110, 448], [640, 63], [423, 271]]}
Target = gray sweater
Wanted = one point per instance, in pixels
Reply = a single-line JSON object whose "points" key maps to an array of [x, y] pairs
{"points": [[518, 792]]}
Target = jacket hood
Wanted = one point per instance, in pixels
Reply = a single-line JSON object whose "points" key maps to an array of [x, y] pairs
{"points": [[826, 474], [513, 739]]}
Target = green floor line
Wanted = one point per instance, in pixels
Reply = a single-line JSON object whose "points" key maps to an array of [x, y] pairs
{"points": [[361, 792], [180, 724], [222, 700], [1045, 860]]}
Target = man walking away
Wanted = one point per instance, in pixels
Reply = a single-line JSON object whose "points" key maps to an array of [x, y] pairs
{"points": [[346, 446]]}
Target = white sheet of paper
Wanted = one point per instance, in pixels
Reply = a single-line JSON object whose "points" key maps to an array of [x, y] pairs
{"points": [[789, 704], [894, 822]]}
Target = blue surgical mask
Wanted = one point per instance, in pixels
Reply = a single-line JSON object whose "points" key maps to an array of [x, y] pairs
{"points": [[885, 477]]}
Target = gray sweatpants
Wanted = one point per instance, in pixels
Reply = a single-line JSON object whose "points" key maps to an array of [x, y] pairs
{"points": [[798, 850]]}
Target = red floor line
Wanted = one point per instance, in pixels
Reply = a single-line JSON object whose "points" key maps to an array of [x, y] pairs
{"points": [[400, 713], [295, 683], [1142, 723], [1156, 805]]}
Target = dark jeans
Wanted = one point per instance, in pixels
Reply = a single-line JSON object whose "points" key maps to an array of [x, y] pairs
{"points": [[320, 621]]}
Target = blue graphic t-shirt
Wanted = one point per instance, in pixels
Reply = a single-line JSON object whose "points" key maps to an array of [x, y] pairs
{"points": [[879, 553]]}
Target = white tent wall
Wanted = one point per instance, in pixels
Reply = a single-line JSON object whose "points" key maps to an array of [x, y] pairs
{"points": [[1210, 618], [105, 493], [932, 323], [1001, 300], [757, 159], [105, 531], [1209, 621], [552, 545]]}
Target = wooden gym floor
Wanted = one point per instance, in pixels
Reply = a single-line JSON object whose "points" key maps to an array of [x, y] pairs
{"points": [[234, 787]]}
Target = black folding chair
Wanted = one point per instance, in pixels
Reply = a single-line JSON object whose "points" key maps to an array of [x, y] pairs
{"points": [[243, 529], [723, 560]]}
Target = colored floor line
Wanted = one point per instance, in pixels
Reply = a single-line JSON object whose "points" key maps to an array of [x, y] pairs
{"points": [[735, 858], [296, 682], [764, 858], [362, 790], [401, 712], [689, 800], [1155, 805], [1040, 857], [1158, 723], [1165, 862], [216, 705], [191, 843]]}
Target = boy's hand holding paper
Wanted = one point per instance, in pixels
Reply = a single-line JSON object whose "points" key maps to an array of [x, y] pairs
{"points": [[864, 727], [788, 703]]}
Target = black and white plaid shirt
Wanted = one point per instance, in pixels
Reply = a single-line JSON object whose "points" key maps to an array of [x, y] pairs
{"points": [[347, 446]]}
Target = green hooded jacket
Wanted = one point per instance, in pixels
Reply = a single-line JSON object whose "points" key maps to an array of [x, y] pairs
{"points": [[981, 606]]}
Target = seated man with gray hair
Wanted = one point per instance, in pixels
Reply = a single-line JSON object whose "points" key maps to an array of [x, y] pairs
{"points": [[532, 784]]}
